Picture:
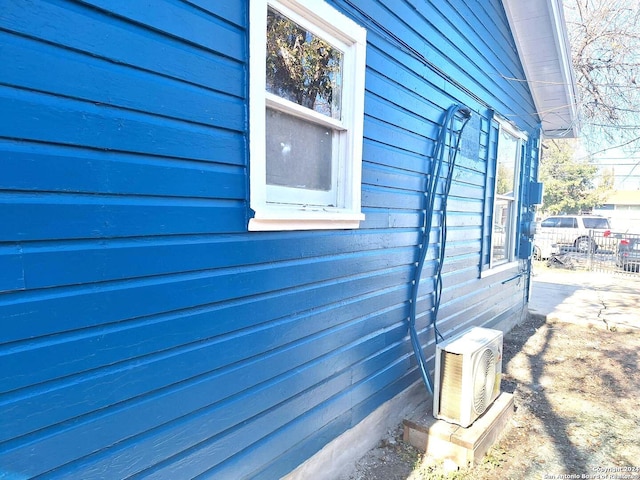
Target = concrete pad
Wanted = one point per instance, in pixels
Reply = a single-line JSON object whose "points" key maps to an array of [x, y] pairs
{"points": [[593, 299], [464, 446]]}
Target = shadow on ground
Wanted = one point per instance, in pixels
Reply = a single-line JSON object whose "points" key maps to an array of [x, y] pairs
{"points": [[575, 389]]}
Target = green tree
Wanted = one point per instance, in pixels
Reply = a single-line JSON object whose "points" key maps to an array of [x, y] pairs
{"points": [[570, 184]]}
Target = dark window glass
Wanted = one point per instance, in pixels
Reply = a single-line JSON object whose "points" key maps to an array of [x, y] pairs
{"points": [[567, 222], [601, 223]]}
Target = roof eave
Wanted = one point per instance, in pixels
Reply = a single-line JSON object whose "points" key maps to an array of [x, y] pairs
{"points": [[539, 30]]}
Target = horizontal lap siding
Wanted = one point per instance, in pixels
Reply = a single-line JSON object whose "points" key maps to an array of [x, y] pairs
{"points": [[123, 174], [144, 331], [405, 104]]}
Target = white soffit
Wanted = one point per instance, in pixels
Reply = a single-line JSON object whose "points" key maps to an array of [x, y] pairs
{"points": [[540, 34]]}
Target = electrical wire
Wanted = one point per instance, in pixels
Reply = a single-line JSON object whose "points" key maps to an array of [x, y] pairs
{"points": [[402, 45], [447, 144]]}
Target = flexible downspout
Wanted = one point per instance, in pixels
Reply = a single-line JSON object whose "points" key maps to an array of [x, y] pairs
{"points": [[447, 136]]}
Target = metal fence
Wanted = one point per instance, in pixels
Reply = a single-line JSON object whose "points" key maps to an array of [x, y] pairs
{"points": [[596, 250]]}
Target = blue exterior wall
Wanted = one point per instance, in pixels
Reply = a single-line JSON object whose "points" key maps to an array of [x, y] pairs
{"points": [[143, 331]]}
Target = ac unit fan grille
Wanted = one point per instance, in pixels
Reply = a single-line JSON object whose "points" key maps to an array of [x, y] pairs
{"points": [[484, 381]]}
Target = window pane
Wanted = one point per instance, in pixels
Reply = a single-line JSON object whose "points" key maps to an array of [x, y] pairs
{"points": [[302, 67], [602, 223], [298, 152], [567, 222], [507, 154], [501, 222]]}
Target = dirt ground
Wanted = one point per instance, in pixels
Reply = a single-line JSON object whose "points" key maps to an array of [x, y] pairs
{"points": [[577, 412]]}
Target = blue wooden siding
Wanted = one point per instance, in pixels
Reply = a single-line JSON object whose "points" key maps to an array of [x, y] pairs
{"points": [[143, 331]]}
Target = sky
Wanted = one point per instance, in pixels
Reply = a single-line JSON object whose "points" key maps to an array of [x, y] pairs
{"points": [[605, 44], [625, 167]]}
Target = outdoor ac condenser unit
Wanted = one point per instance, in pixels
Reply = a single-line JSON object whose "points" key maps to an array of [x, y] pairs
{"points": [[467, 375]]}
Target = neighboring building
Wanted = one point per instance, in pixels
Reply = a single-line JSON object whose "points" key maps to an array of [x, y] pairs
{"points": [[622, 208], [207, 267]]}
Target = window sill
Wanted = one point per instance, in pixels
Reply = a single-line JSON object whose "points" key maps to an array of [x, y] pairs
{"points": [[499, 269], [281, 218]]}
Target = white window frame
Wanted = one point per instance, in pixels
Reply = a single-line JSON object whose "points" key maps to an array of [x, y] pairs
{"points": [[286, 208], [511, 235]]}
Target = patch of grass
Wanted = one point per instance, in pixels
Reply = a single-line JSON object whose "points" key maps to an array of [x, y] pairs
{"points": [[495, 457], [410, 454]]}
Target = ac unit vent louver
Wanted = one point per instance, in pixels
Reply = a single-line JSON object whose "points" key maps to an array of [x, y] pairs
{"points": [[467, 376]]}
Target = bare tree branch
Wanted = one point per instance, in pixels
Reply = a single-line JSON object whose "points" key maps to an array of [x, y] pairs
{"points": [[605, 40]]}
